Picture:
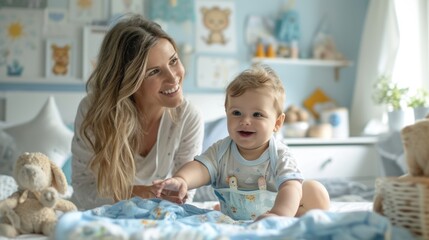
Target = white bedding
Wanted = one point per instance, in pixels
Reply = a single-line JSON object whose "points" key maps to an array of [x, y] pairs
{"points": [[335, 206], [158, 219], [348, 203]]}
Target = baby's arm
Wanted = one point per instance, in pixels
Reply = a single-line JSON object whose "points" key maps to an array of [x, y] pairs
{"points": [[192, 175], [287, 200]]}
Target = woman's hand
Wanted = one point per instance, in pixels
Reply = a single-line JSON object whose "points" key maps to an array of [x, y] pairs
{"points": [[175, 188], [144, 191]]}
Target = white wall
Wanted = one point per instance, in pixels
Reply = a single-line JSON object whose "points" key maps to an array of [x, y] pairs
{"points": [[22, 106]]}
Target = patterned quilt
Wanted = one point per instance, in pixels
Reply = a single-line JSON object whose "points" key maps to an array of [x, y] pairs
{"points": [[158, 219]]}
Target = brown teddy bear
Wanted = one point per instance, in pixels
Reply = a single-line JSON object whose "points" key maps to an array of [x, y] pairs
{"points": [[216, 20], [32, 209], [61, 58], [414, 139]]}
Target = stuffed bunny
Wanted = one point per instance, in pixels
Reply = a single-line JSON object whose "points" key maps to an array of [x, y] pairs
{"points": [[32, 209]]}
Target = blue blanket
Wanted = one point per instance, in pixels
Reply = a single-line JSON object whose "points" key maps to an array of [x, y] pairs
{"points": [[157, 219]]}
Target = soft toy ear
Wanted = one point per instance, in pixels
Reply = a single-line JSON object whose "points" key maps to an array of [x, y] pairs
{"points": [[59, 180]]}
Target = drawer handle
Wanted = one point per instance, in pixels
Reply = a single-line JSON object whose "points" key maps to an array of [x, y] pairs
{"points": [[325, 163]]}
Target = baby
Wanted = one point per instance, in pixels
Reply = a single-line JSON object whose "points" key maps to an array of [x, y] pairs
{"points": [[253, 174]]}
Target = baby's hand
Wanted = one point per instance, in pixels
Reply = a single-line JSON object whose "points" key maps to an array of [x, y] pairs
{"points": [[173, 189]]}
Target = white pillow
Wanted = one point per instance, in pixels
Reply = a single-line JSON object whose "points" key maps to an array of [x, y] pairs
{"points": [[7, 186], [8, 153], [46, 133]]}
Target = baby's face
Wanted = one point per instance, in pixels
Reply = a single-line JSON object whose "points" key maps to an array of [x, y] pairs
{"points": [[251, 121]]}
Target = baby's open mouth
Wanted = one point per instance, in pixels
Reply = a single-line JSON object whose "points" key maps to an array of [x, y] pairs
{"points": [[245, 133]]}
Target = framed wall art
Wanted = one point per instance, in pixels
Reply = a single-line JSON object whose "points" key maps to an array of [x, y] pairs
{"points": [[86, 11], [215, 26], [20, 42], [216, 72], [120, 7], [92, 38], [60, 58]]}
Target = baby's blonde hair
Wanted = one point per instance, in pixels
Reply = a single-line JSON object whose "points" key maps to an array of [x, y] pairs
{"points": [[258, 76]]}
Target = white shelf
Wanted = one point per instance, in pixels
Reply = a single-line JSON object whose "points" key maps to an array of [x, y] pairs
{"points": [[333, 141], [308, 62], [41, 80]]}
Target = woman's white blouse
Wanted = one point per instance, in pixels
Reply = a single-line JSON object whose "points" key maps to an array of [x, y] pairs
{"points": [[178, 142]]}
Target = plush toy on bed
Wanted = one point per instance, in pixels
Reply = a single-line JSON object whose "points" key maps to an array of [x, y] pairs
{"points": [[414, 139], [32, 209]]}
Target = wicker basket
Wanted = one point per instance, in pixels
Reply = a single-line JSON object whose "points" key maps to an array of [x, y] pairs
{"points": [[405, 201]]}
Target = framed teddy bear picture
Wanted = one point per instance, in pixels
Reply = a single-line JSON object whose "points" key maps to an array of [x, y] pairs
{"points": [[215, 26], [60, 58]]}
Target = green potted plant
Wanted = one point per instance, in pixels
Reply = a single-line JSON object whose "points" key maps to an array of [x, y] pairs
{"points": [[419, 101], [394, 97], [389, 94]]}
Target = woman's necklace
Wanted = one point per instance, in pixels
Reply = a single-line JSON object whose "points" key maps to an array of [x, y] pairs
{"points": [[149, 138]]}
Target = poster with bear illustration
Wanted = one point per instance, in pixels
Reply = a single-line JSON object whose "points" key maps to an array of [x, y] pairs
{"points": [[215, 26], [60, 58]]}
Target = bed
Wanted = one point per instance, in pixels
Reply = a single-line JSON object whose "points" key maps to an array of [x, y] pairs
{"points": [[350, 215], [158, 219]]}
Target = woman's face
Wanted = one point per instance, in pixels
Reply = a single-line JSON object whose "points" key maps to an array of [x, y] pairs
{"points": [[162, 84]]}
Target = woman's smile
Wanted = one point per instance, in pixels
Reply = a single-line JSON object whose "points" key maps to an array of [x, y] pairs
{"points": [[172, 90]]}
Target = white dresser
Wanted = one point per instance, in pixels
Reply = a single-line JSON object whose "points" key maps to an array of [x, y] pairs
{"points": [[354, 158]]}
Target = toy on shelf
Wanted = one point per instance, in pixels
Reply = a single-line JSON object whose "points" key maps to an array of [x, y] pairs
{"points": [[296, 122], [318, 102], [260, 50], [265, 50], [324, 49]]}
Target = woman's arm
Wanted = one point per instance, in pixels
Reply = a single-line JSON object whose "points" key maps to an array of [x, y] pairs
{"points": [[191, 136], [191, 140]]}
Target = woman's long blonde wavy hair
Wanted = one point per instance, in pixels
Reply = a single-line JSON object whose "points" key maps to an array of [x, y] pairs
{"points": [[111, 125]]}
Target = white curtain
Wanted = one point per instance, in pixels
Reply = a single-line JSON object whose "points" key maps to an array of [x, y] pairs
{"points": [[395, 42], [379, 43], [411, 66]]}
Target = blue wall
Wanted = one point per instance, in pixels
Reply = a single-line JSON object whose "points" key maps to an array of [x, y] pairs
{"points": [[345, 20]]}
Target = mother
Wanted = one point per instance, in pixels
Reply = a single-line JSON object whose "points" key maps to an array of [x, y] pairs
{"points": [[134, 125]]}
